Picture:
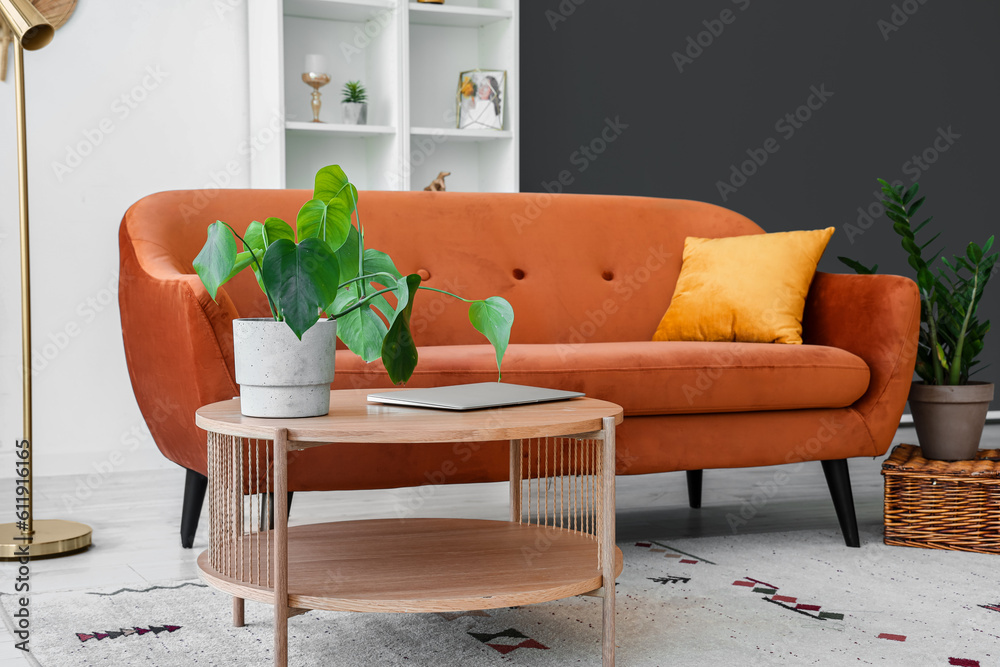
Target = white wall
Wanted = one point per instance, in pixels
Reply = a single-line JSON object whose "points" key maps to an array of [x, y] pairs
{"points": [[132, 97]]}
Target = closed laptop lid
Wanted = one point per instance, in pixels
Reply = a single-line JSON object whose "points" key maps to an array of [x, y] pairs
{"points": [[473, 396]]}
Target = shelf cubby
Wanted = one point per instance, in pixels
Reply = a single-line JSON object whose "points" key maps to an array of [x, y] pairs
{"points": [[338, 10], [409, 56], [456, 17]]}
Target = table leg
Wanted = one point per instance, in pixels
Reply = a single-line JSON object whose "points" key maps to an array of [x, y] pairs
{"points": [[608, 540], [515, 480], [237, 612], [281, 548]]}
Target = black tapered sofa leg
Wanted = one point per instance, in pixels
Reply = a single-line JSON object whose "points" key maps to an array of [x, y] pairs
{"points": [[194, 496], [839, 480], [267, 510], [694, 478]]}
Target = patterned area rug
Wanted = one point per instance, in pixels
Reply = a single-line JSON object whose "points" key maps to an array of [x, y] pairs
{"points": [[798, 598]]}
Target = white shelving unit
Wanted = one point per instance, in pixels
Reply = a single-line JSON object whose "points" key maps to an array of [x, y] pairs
{"points": [[409, 56]]}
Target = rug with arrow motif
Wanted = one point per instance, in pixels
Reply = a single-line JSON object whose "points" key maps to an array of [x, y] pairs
{"points": [[793, 598]]}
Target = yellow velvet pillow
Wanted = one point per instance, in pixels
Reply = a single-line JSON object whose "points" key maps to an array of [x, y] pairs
{"points": [[744, 288]]}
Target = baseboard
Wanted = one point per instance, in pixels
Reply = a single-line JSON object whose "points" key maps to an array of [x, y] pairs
{"points": [[992, 417]]}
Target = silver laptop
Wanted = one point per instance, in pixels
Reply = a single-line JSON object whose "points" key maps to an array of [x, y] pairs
{"points": [[472, 396]]}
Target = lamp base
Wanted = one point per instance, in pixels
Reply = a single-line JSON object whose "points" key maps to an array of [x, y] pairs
{"points": [[53, 537]]}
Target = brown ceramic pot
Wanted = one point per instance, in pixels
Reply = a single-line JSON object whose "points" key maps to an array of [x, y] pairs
{"points": [[949, 418]]}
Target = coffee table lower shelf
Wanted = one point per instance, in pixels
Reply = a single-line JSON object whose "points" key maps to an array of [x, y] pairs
{"points": [[418, 565]]}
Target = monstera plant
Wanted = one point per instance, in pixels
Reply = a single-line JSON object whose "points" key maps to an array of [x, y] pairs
{"points": [[949, 409], [319, 270]]}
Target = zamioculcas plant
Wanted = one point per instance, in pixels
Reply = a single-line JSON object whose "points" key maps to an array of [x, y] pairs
{"points": [[321, 266], [951, 336]]}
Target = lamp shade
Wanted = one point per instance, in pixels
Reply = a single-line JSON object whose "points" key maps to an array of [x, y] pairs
{"points": [[30, 28]]}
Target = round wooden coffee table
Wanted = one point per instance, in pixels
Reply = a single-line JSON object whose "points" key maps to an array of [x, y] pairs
{"points": [[559, 542]]}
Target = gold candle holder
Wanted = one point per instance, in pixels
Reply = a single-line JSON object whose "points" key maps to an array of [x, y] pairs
{"points": [[317, 81]]}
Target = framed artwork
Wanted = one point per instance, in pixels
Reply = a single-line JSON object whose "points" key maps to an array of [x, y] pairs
{"points": [[481, 94]]}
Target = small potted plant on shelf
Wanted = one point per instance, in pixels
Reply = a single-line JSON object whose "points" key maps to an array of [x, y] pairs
{"points": [[949, 410], [285, 364], [354, 103]]}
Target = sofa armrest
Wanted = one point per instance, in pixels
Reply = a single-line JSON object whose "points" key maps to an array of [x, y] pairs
{"points": [[178, 347], [876, 317]]}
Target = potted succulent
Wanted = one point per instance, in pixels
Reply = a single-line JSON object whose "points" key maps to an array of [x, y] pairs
{"points": [[354, 103], [949, 410], [285, 364]]}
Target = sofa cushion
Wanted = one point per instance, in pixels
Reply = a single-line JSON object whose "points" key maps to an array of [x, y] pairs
{"points": [[647, 378], [745, 288]]}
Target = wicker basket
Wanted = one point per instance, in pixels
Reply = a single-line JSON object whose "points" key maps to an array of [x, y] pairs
{"points": [[941, 504]]}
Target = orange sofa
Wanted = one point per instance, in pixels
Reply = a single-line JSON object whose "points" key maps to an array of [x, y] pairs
{"points": [[589, 278]]}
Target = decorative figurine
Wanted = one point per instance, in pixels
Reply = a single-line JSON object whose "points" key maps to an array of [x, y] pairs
{"points": [[437, 185]]}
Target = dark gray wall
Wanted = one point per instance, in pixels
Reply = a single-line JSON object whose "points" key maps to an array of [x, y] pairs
{"points": [[899, 80]]}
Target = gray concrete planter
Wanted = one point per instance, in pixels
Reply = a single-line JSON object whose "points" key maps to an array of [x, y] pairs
{"points": [[280, 375], [354, 113], [949, 418]]}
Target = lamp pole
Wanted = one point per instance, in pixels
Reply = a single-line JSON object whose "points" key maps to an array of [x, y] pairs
{"points": [[27, 537]]}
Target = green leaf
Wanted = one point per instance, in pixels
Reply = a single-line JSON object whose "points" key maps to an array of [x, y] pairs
{"points": [[399, 352], [347, 255], [260, 236], [925, 279], [911, 193], [974, 253], [361, 330], [922, 224], [930, 241], [377, 261], [243, 260], [858, 267], [896, 208], [902, 224], [215, 262], [301, 279], [276, 228], [253, 237], [332, 182], [941, 358], [329, 222], [493, 318], [916, 207]]}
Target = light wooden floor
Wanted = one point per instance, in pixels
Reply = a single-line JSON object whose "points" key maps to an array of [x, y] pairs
{"points": [[136, 516]]}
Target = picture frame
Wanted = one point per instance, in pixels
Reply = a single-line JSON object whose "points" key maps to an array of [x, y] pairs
{"points": [[480, 99]]}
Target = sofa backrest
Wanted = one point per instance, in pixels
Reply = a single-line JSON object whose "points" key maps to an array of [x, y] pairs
{"points": [[576, 268]]}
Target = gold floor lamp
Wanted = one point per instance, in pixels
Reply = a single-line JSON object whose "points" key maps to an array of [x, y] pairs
{"points": [[27, 537]]}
